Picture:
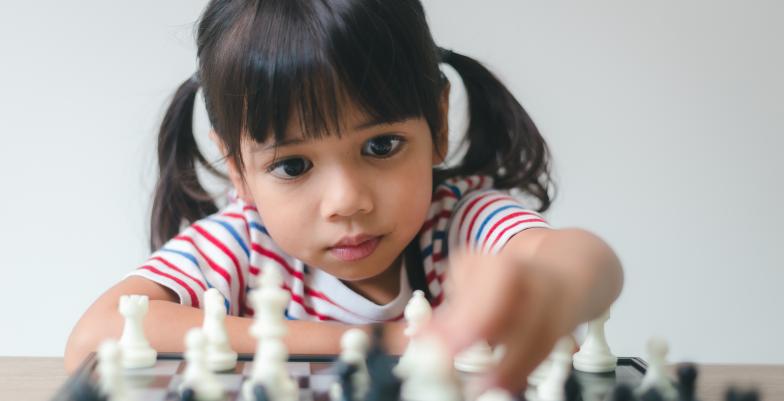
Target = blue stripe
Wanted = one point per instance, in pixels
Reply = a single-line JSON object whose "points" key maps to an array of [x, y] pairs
{"points": [[257, 226], [183, 254], [234, 234], [201, 273], [427, 251], [455, 190], [490, 217]]}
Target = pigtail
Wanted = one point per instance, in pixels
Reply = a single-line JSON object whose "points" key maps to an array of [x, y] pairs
{"points": [[503, 140], [178, 193]]}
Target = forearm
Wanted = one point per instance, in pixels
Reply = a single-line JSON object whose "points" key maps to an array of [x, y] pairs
{"points": [[167, 323], [588, 269]]}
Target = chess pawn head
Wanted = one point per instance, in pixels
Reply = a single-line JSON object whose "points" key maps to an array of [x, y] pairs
{"points": [[133, 305], [417, 313], [270, 278], [354, 344], [109, 351], [657, 349], [195, 340]]}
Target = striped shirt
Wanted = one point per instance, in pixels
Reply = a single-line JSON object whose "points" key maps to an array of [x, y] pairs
{"points": [[229, 249]]}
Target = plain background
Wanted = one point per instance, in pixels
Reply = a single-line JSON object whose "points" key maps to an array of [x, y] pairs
{"points": [[664, 118]]}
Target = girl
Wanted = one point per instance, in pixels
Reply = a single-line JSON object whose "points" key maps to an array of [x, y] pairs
{"points": [[331, 115]]}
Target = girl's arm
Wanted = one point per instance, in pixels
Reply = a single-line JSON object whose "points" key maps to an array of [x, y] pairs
{"points": [[167, 321]]}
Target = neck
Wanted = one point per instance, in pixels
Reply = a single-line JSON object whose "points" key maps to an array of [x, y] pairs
{"points": [[381, 289]]}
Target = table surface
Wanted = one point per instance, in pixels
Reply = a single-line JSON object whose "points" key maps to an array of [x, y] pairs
{"points": [[37, 379]]}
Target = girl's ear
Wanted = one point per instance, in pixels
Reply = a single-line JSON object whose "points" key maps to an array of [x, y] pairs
{"points": [[234, 174], [442, 138]]}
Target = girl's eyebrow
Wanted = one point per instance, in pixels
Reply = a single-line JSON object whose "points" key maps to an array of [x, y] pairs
{"points": [[297, 141]]}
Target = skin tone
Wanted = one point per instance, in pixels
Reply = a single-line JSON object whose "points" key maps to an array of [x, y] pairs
{"points": [[376, 180]]}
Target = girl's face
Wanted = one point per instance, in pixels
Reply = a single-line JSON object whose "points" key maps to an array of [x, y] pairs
{"points": [[346, 205]]}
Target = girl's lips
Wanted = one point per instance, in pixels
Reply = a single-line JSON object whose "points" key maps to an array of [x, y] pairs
{"points": [[351, 253]]}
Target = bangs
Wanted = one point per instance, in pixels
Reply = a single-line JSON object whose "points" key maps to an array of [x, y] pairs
{"points": [[317, 59]]}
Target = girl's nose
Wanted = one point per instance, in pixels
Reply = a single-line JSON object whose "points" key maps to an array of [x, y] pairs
{"points": [[346, 194]]}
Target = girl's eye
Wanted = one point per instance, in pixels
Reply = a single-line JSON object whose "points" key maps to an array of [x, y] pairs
{"points": [[290, 168], [383, 146]]}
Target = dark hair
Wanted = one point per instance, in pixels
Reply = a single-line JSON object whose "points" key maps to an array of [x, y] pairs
{"points": [[261, 60]]}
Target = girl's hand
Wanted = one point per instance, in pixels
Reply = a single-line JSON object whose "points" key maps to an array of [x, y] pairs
{"points": [[493, 297]]}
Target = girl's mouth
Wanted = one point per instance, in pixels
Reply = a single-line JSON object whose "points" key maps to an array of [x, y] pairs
{"points": [[349, 253]]}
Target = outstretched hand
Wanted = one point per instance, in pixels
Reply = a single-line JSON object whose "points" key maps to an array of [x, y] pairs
{"points": [[494, 297]]}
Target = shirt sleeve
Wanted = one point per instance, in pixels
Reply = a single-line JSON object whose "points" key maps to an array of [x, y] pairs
{"points": [[211, 253], [485, 220]]}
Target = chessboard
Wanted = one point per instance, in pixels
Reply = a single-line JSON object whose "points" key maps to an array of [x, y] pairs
{"points": [[314, 373]]}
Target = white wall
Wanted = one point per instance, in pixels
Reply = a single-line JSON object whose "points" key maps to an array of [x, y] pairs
{"points": [[665, 121]]}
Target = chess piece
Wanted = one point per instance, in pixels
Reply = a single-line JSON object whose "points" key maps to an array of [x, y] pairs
{"points": [[269, 370], [198, 376], [220, 356], [572, 389], [269, 302], [595, 355], [417, 314], [431, 375], [385, 386], [656, 376], [136, 351], [354, 347], [622, 392], [552, 387], [111, 382], [687, 378]]}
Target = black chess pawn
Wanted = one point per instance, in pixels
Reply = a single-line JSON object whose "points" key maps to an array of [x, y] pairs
{"points": [[572, 388], [622, 392], [345, 373], [687, 382], [188, 394], [384, 385]]}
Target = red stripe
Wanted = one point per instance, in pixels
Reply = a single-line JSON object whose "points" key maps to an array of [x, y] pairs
{"points": [[501, 221], [254, 270], [501, 234], [465, 213], [296, 298], [444, 214], [476, 216], [442, 193], [438, 299], [191, 293], [274, 256], [213, 265], [228, 253], [432, 275], [177, 269], [248, 207]]}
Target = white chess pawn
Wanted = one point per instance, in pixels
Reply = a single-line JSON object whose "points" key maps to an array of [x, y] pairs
{"points": [[136, 351], [595, 355], [354, 346], [111, 382], [270, 371], [431, 374], [269, 303], [656, 375], [552, 387], [220, 356], [417, 313], [197, 375]]}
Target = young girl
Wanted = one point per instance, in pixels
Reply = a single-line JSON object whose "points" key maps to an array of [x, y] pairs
{"points": [[332, 116]]}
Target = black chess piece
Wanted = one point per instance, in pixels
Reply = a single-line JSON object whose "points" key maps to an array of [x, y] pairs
{"points": [[384, 385], [622, 392], [345, 372], [751, 395], [188, 394], [86, 391], [687, 382], [572, 388], [652, 395], [731, 394], [260, 393]]}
